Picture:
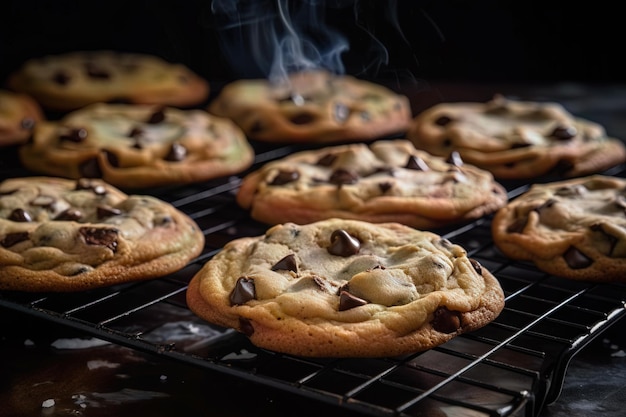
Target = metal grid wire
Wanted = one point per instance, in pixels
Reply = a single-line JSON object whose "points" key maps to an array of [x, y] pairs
{"points": [[512, 366]]}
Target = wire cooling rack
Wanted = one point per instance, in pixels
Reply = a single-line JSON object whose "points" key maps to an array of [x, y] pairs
{"points": [[512, 366]]}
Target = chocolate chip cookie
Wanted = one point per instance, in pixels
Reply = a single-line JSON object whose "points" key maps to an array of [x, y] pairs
{"points": [[517, 139], [313, 106], [133, 146], [72, 80], [385, 181], [18, 115], [345, 288], [573, 228], [64, 235]]}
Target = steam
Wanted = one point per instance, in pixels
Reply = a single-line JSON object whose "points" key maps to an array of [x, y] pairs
{"points": [[280, 36]]}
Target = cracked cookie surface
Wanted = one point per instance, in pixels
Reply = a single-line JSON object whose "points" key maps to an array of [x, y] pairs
{"points": [[313, 107], [517, 139], [573, 228], [345, 288], [63, 235], [385, 181]]}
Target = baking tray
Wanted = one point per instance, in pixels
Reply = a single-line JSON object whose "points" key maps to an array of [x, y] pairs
{"points": [[512, 366]]}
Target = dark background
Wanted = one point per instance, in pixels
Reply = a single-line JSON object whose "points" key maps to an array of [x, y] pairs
{"points": [[490, 41]]}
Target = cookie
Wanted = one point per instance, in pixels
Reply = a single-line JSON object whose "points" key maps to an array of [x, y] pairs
{"points": [[345, 288], [313, 106], [517, 139], [18, 115], [65, 235], [133, 146], [72, 80], [574, 228], [384, 181]]}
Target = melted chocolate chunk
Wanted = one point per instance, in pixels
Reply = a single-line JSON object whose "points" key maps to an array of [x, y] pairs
{"points": [[385, 186], [477, 266], [101, 237], [106, 211], [326, 160], [156, 117], [74, 135], [563, 132], [61, 78], [416, 163], [177, 153], [90, 168], [112, 158], [70, 214], [443, 120], [284, 177], [27, 123], [342, 244], [20, 215], [575, 259], [135, 132], [245, 326], [343, 176], [348, 301], [288, 263], [13, 238], [302, 118], [243, 292], [95, 72], [446, 321], [455, 159]]}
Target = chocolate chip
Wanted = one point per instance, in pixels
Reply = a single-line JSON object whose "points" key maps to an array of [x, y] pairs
{"points": [[243, 292], [245, 327], [101, 237], [455, 159], [575, 259], [61, 78], [95, 72], [135, 132], [288, 263], [563, 132], [326, 160], [302, 118], [284, 177], [385, 186], [177, 153], [348, 301], [70, 214], [13, 238], [342, 244], [341, 112], [106, 211], [446, 321], [477, 266], [20, 215], [443, 120], [416, 163], [156, 117], [90, 168], [74, 135], [112, 158], [27, 123], [343, 176]]}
